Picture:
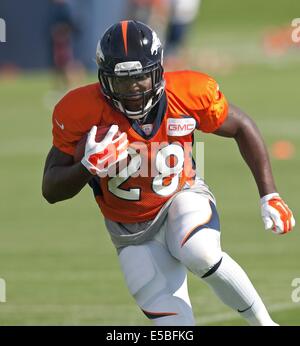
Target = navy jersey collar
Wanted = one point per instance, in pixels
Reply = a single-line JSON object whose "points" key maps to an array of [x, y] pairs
{"points": [[155, 117]]}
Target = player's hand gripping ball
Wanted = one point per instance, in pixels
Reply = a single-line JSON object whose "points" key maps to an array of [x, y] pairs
{"points": [[101, 148]]}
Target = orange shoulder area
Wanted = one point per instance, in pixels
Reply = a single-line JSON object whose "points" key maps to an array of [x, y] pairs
{"points": [[80, 107], [75, 114], [190, 90]]}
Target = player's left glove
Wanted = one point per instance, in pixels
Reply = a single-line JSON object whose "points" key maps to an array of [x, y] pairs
{"points": [[276, 214]]}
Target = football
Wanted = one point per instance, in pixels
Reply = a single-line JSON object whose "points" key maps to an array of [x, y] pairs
{"points": [[80, 147]]}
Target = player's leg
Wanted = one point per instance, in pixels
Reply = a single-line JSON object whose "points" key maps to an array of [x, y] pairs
{"points": [[157, 281], [193, 237]]}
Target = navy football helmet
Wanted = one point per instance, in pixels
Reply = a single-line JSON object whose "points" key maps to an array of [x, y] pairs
{"points": [[129, 53]]}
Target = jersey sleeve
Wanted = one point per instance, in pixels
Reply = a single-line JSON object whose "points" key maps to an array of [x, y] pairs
{"points": [[65, 134], [76, 113], [197, 94], [215, 107]]}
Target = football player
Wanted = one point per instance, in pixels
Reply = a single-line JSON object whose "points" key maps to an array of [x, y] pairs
{"points": [[163, 221]]}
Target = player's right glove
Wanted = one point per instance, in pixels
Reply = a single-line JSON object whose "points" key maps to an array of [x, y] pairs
{"points": [[99, 156], [276, 214]]}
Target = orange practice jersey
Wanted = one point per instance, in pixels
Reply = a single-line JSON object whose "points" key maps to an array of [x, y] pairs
{"points": [[192, 101]]}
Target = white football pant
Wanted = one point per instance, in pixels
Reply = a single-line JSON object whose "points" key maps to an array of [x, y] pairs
{"points": [[156, 271]]}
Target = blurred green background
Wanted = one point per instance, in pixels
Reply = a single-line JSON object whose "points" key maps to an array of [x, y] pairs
{"points": [[58, 262]]}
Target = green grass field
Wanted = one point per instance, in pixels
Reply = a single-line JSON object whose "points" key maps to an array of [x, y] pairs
{"points": [[58, 262]]}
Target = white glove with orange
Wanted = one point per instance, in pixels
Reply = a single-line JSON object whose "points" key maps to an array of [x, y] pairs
{"points": [[276, 214], [99, 156]]}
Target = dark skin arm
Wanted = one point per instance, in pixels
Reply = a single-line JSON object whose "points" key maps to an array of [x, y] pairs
{"points": [[63, 178], [242, 128]]}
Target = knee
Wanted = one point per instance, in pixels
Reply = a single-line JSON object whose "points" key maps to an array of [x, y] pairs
{"points": [[202, 252], [194, 238], [158, 284]]}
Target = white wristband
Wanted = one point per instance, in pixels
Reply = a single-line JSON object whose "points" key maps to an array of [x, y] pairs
{"points": [[268, 197]]}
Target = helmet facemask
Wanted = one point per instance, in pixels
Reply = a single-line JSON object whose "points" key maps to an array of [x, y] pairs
{"points": [[148, 82]]}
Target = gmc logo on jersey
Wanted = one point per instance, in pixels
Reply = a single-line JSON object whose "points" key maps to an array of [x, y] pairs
{"points": [[180, 127], [184, 127]]}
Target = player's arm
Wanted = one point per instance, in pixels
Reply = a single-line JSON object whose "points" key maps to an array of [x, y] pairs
{"points": [[242, 128], [62, 178]]}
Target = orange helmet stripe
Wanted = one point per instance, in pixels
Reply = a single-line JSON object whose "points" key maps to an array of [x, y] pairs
{"points": [[124, 32]]}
